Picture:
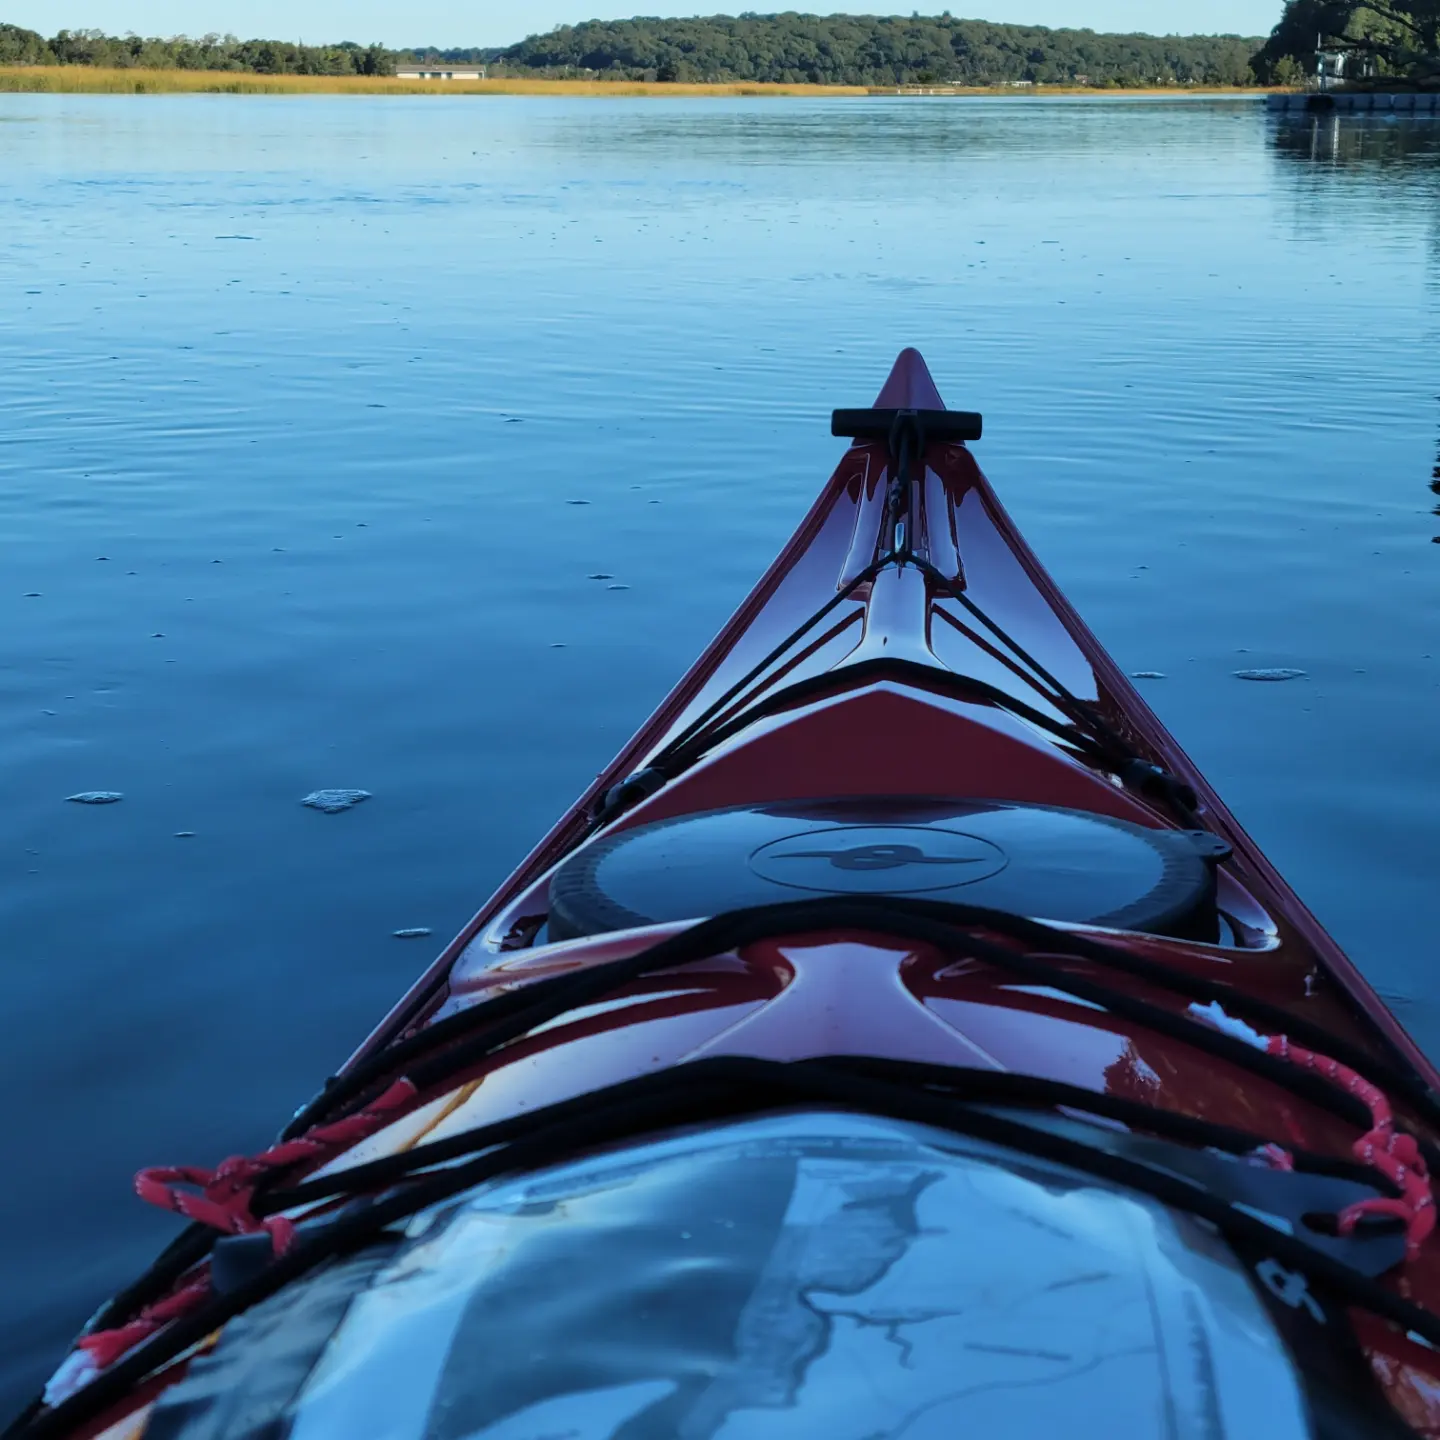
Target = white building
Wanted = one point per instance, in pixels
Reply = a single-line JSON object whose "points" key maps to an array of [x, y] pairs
{"points": [[440, 70]]}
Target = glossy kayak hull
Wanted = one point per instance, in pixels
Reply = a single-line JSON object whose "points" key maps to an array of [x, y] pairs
{"points": [[998, 566]]}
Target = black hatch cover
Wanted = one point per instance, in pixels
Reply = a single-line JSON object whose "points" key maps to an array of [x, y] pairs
{"points": [[1037, 860]]}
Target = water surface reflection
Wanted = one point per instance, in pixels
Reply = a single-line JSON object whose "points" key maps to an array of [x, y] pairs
{"points": [[301, 397]]}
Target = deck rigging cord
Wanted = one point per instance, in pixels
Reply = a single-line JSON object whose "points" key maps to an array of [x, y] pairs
{"points": [[151, 1324], [907, 434], [715, 1089], [1084, 729]]}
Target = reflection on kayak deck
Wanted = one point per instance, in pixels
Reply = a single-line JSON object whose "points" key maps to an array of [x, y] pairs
{"points": [[813, 1276]]}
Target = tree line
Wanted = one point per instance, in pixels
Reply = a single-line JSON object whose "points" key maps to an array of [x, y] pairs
{"points": [[210, 52], [788, 48], [1400, 38], [879, 50]]}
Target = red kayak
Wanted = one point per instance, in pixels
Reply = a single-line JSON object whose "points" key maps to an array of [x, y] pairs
{"points": [[900, 1038]]}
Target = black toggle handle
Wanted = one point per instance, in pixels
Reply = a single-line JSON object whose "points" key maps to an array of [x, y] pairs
{"points": [[931, 424]]}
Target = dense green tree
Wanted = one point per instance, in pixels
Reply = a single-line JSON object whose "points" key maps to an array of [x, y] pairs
{"points": [[878, 50], [1403, 36], [209, 52], [23, 47]]}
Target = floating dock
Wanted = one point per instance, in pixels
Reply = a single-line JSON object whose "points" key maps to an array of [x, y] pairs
{"points": [[1358, 102]]}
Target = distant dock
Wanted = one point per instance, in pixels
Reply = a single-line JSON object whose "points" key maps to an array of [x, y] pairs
{"points": [[1354, 102]]}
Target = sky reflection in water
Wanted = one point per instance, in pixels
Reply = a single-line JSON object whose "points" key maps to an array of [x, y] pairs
{"points": [[320, 412]]}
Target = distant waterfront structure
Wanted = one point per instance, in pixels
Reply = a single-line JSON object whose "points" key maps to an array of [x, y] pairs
{"points": [[1334, 65], [439, 70], [1330, 67], [1340, 83]]}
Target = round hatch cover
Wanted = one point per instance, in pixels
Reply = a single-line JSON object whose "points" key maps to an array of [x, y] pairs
{"points": [[877, 859], [1038, 860]]}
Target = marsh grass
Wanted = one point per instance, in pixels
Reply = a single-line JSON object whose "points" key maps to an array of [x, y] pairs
{"points": [[96, 80]]}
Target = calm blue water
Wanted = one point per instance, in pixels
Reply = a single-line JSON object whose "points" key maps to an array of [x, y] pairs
{"points": [[298, 394]]}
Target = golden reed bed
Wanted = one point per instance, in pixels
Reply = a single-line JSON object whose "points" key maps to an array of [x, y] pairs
{"points": [[97, 80]]}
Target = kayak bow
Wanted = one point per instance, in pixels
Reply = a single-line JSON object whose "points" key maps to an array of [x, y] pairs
{"points": [[899, 1035]]}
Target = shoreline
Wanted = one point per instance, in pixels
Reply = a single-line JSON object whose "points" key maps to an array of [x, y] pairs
{"points": [[97, 80]]}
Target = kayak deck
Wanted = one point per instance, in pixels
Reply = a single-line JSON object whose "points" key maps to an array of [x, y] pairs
{"points": [[881, 664]]}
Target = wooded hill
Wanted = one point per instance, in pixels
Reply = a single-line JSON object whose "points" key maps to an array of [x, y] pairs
{"points": [[788, 48], [878, 50]]}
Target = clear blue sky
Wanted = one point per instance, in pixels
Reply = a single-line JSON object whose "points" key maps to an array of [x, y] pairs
{"points": [[498, 22]]}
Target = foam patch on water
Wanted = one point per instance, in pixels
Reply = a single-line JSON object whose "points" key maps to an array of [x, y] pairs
{"points": [[1279, 673], [333, 801], [96, 797]]}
